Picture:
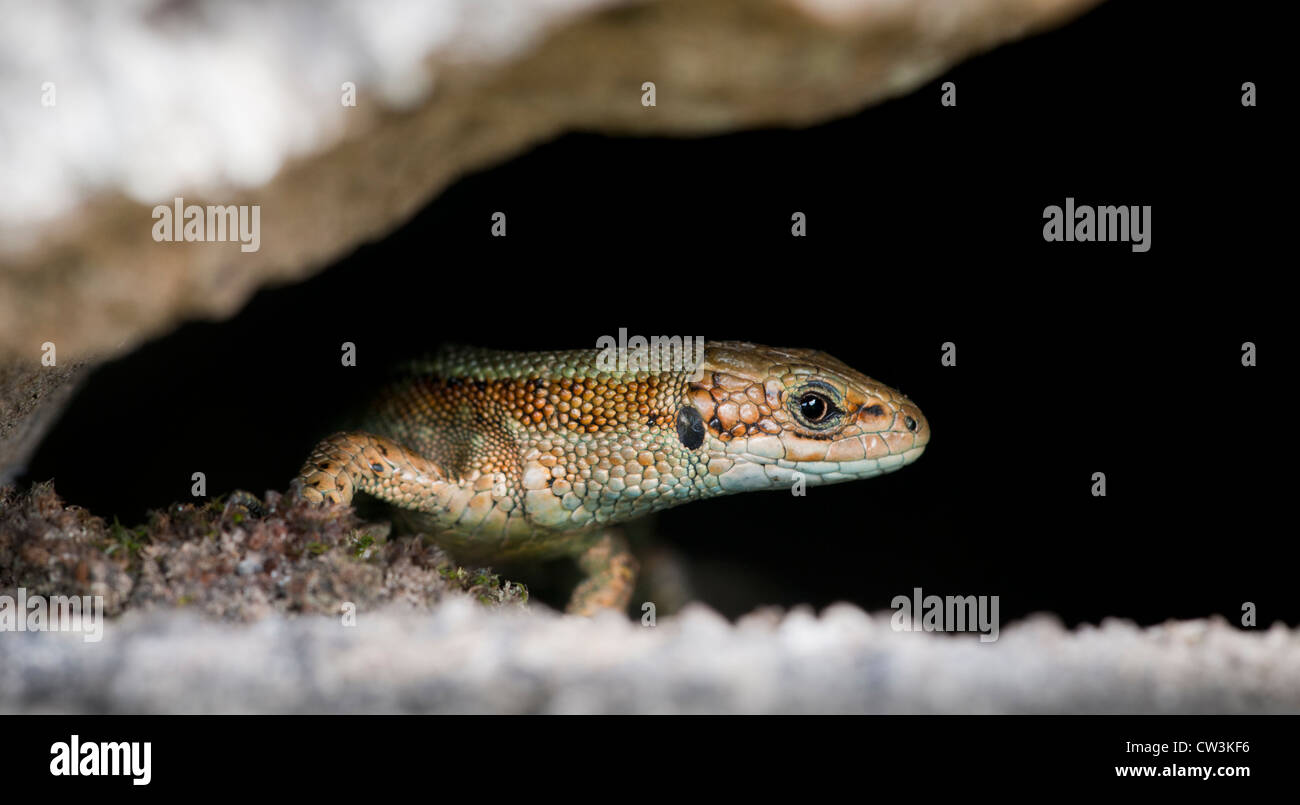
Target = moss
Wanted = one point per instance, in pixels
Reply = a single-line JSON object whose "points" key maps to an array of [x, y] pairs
{"points": [[361, 546], [237, 557], [127, 542]]}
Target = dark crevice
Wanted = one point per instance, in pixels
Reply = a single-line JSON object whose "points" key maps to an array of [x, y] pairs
{"points": [[924, 226]]}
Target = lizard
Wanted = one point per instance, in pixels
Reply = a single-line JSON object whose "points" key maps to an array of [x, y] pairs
{"points": [[522, 456]]}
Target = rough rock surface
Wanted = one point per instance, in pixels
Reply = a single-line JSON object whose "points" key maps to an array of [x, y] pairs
{"points": [[240, 103], [235, 606], [463, 658], [31, 397], [238, 559]]}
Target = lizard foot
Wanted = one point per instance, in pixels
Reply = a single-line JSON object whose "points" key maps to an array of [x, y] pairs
{"points": [[346, 463], [610, 570]]}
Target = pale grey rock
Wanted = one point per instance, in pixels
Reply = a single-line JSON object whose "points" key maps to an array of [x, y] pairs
{"points": [[463, 658], [236, 102]]}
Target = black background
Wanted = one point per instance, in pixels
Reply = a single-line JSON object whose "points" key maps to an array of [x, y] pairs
{"points": [[653, 757], [924, 226]]}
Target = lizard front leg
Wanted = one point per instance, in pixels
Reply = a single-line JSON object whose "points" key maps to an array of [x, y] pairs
{"points": [[351, 462], [610, 570]]}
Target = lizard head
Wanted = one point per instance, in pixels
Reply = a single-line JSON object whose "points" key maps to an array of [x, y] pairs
{"points": [[766, 413]]}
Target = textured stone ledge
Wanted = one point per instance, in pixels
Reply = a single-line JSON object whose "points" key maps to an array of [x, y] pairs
{"points": [[239, 103], [464, 658]]}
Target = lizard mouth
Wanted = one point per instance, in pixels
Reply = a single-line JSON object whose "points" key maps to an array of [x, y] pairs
{"points": [[747, 471]]}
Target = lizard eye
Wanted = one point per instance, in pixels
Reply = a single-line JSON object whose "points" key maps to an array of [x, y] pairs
{"points": [[814, 407]]}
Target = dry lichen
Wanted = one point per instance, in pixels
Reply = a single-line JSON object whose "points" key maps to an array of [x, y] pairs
{"points": [[239, 559]]}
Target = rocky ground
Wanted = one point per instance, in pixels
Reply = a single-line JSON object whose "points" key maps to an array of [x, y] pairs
{"points": [[465, 658], [239, 559], [235, 606]]}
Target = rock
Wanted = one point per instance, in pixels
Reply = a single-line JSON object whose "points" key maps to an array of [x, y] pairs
{"points": [[227, 561], [115, 109], [464, 658], [31, 397]]}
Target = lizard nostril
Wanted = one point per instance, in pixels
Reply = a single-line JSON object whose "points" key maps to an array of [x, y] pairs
{"points": [[911, 423]]}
